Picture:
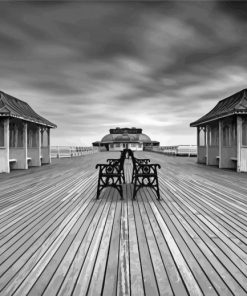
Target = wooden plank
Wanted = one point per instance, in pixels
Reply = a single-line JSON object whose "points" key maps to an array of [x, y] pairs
{"points": [[104, 269], [123, 287], [58, 266], [40, 257], [136, 276], [173, 274], [111, 274], [150, 284], [187, 275], [186, 230], [162, 280], [86, 273], [64, 281]]}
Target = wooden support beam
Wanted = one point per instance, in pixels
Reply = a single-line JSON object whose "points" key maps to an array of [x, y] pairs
{"points": [[207, 144], [239, 142], [220, 143]]}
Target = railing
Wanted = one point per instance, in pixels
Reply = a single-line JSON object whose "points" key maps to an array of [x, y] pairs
{"points": [[179, 150], [71, 151]]}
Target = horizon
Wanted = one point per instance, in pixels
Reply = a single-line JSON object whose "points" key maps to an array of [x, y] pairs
{"points": [[90, 67]]}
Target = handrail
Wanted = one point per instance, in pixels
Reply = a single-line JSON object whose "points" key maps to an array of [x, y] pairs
{"points": [[71, 151]]}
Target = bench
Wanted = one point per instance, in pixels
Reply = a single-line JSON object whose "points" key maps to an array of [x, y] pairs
{"points": [[138, 162], [111, 175], [232, 158], [145, 175], [12, 160]]}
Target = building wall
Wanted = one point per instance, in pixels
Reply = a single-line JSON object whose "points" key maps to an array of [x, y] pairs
{"points": [[20, 154], [243, 156], [122, 146], [201, 154], [226, 154], [213, 154]]}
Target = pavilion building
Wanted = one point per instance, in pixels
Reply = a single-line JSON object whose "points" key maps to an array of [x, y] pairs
{"points": [[125, 138], [24, 135], [222, 134]]}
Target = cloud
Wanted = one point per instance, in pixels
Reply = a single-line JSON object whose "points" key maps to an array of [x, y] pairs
{"points": [[91, 65]]}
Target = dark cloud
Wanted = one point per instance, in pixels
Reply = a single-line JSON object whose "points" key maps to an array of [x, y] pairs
{"points": [[236, 9], [91, 66]]}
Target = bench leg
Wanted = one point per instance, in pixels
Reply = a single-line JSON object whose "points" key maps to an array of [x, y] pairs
{"points": [[157, 188], [98, 188], [105, 183], [136, 188], [154, 186]]}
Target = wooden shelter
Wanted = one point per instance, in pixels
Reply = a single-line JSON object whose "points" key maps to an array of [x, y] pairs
{"points": [[222, 133], [24, 135]]}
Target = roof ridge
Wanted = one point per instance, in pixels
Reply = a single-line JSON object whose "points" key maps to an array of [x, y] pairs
{"points": [[242, 104], [227, 98], [4, 94]]}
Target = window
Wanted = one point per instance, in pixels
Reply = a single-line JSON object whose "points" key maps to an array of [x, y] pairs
{"points": [[117, 145], [214, 136], [226, 136], [29, 138], [20, 136], [111, 146], [44, 138], [12, 132], [201, 136], [244, 132], [234, 133], [140, 145], [132, 145]]}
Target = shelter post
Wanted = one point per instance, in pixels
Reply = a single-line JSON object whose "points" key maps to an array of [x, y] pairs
{"points": [[198, 143], [239, 141], [4, 150], [49, 144], [220, 143], [25, 144], [207, 144]]}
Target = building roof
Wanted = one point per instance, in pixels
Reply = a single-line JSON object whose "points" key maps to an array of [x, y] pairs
{"points": [[110, 138], [235, 104], [126, 135], [13, 107]]}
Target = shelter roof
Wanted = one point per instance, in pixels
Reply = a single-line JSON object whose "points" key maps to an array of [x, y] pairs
{"points": [[235, 104], [13, 107]]}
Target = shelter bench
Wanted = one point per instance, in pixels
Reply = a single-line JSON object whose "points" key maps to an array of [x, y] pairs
{"points": [[145, 175], [232, 158], [111, 175], [12, 160]]}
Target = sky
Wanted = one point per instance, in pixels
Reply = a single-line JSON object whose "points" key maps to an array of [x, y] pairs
{"points": [[92, 66]]}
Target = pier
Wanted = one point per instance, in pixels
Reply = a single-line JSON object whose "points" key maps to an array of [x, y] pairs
{"points": [[56, 238]]}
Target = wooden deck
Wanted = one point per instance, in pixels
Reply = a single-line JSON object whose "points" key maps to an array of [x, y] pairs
{"points": [[57, 239]]}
